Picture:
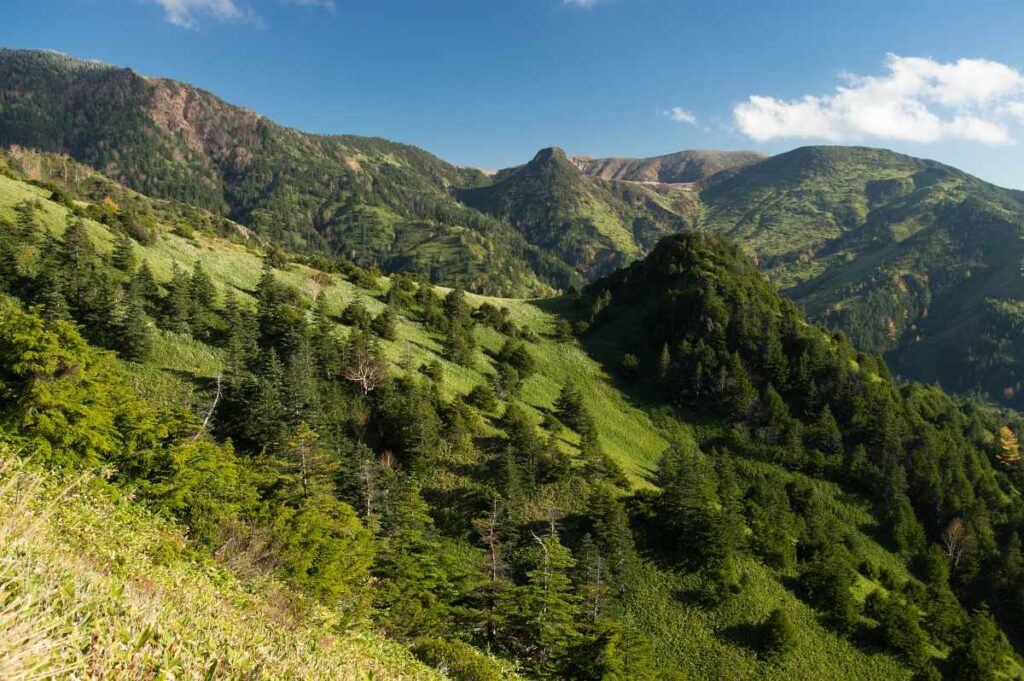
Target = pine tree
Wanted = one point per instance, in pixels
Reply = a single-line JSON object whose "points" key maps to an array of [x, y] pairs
{"points": [[664, 363], [202, 290], [547, 610], [742, 394], [178, 303], [134, 337], [829, 580], [384, 325], [124, 254], [144, 286], [901, 630], [780, 634], [305, 469], [496, 586], [413, 587], [569, 407], [982, 653]]}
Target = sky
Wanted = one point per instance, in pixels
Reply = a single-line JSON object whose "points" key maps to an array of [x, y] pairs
{"points": [[487, 83]]}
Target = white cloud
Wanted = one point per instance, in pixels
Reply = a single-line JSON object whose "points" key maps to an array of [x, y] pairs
{"points": [[186, 12], [1015, 109], [918, 100], [678, 113]]}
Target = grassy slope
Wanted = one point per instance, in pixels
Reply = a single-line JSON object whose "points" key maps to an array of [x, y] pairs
{"points": [[94, 587], [704, 643], [626, 431]]}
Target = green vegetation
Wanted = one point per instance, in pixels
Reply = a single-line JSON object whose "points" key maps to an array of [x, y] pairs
{"points": [[669, 474], [92, 585], [592, 224], [383, 204], [907, 257]]}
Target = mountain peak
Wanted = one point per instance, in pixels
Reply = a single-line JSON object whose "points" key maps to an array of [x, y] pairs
{"points": [[550, 155]]}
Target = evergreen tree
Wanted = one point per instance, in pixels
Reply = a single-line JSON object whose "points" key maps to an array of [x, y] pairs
{"points": [[569, 406], [355, 314], [178, 303], [384, 325], [829, 581], [547, 610], [124, 254], [664, 363], [134, 337], [202, 290], [413, 587], [899, 625], [981, 654], [780, 634], [304, 468], [144, 286]]}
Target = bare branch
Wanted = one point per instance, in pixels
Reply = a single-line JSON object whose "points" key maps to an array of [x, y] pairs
{"points": [[209, 414]]}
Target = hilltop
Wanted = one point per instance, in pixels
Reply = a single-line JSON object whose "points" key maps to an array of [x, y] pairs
{"points": [[592, 224], [908, 257]]}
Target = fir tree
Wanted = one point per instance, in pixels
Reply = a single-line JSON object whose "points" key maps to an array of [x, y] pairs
{"points": [[547, 610], [124, 254], [413, 586], [134, 337], [780, 634]]}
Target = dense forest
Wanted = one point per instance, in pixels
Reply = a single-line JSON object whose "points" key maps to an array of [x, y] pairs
{"points": [[669, 474]]}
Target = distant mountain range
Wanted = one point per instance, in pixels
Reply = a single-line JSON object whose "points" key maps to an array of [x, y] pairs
{"points": [[908, 257], [678, 168]]}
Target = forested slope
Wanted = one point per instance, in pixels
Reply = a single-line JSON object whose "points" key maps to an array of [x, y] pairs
{"points": [[692, 489]]}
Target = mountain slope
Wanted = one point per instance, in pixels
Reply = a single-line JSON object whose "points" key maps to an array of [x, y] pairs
{"points": [[379, 202], [592, 224], [906, 256], [653, 602], [678, 168], [93, 585]]}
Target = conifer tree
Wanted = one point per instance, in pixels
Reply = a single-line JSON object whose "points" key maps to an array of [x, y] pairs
{"points": [[305, 469], [981, 654], [202, 290], [547, 609], [569, 407], [144, 286], [25, 220], [413, 586], [124, 254], [134, 338], [780, 634], [178, 303], [384, 325], [495, 588]]}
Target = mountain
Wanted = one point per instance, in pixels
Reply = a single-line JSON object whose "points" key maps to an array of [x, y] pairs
{"points": [[381, 466], [592, 224], [681, 167], [378, 202], [908, 257]]}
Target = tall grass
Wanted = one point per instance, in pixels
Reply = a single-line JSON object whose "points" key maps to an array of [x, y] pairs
{"points": [[92, 586]]}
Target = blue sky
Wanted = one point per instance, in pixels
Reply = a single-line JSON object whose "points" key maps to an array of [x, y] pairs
{"points": [[488, 82]]}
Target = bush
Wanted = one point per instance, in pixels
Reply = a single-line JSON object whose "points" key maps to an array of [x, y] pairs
{"points": [[460, 660]]}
